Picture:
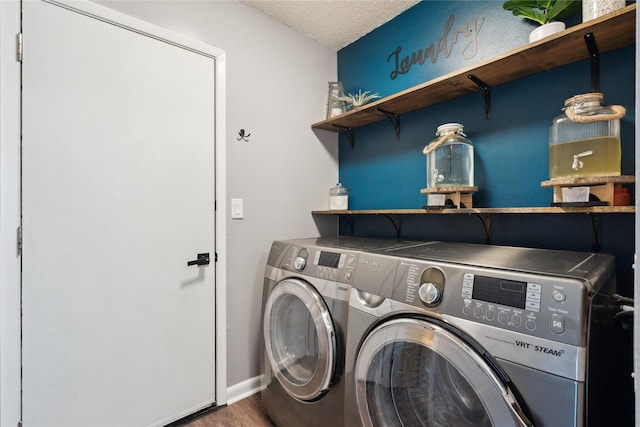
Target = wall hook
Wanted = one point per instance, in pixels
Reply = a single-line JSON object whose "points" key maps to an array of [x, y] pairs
{"points": [[243, 137]]}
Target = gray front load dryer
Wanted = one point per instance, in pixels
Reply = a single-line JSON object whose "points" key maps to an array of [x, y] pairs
{"points": [[446, 334], [305, 305]]}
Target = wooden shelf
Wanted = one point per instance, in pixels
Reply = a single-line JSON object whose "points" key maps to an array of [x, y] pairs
{"points": [[533, 210], [611, 32], [485, 215]]}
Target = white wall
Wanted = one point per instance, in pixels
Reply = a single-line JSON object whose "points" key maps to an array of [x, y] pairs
{"points": [[276, 88]]}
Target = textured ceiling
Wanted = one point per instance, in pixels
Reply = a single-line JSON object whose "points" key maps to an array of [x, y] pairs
{"points": [[335, 23]]}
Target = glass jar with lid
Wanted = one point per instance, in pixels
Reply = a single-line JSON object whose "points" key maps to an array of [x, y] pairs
{"points": [[338, 198], [449, 158], [584, 141]]}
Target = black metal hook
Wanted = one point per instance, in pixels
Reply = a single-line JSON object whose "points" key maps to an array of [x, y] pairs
{"points": [[244, 137]]}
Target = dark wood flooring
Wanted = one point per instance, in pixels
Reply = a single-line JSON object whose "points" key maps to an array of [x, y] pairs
{"points": [[247, 412]]}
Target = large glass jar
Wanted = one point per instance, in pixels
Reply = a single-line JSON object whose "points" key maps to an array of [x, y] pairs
{"points": [[449, 158], [585, 140]]}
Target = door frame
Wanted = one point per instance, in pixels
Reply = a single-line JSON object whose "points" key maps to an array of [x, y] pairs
{"points": [[10, 201]]}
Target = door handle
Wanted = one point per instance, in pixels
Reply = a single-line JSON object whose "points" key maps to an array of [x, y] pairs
{"points": [[203, 259]]}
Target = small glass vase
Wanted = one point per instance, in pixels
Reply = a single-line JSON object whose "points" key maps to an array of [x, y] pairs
{"points": [[335, 107]]}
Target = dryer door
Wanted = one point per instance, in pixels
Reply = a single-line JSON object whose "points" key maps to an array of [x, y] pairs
{"points": [[413, 372], [300, 339]]}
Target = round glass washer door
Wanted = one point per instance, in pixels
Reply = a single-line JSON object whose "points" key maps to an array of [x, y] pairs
{"points": [[414, 373], [300, 339]]}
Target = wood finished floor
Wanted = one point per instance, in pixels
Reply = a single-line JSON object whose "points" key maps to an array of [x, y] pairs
{"points": [[247, 412]]}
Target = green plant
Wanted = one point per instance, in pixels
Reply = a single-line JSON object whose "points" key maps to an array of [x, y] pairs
{"points": [[357, 100], [543, 11]]}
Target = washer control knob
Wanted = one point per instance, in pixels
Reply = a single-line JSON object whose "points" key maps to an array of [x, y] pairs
{"points": [[430, 294], [299, 263]]}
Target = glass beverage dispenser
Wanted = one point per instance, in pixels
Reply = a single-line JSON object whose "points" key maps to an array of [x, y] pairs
{"points": [[449, 158], [585, 140]]}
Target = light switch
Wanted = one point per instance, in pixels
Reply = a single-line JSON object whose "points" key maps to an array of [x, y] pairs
{"points": [[237, 209]]}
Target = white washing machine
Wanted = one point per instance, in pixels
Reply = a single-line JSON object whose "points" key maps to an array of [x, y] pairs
{"points": [[446, 334], [305, 305]]}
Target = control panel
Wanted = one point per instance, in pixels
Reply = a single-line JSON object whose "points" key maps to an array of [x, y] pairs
{"points": [[323, 263], [544, 306]]}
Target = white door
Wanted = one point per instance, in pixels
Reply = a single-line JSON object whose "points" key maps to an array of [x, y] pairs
{"points": [[118, 195]]}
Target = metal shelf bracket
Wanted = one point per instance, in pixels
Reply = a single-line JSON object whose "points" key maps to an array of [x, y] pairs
{"points": [[351, 222], [397, 223], [590, 40], [394, 119], [596, 226], [486, 223], [486, 94], [348, 132]]}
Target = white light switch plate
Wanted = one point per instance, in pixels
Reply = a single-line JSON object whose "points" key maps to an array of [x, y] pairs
{"points": [[237, 209]]}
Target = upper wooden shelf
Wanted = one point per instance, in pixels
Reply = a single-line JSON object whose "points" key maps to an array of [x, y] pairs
{"points": [[613, 31]]}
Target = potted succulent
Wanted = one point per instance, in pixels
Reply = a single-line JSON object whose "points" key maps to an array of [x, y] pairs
{"points": [[543, 12], [358, 99]]}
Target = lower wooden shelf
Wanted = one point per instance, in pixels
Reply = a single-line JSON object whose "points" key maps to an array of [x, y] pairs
{"points": [[527, 210], [485, 215]]}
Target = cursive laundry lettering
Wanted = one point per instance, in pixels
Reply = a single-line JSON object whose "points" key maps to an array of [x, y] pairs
{"points": [[444, 45]]}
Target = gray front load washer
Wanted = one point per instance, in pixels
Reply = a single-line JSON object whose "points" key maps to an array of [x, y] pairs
{"points": [[304, 311], [447, 334]]}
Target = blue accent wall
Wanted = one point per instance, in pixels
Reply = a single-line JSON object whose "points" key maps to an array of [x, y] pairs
{"points": [[511, 149]]}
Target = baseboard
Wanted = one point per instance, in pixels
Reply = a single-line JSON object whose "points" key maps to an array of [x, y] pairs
{"points": [[243, 390]]}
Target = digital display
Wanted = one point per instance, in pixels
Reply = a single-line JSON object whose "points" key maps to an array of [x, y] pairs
{"points": [[329, 259], [498, 291]]}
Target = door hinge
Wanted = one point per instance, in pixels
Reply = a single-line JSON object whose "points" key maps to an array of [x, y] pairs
{"points": [[215, 257], [20, 423], [19, 238], [19, 47]]}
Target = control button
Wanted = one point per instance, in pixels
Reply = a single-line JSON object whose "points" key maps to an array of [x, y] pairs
{"points": [[466, 310], [502, 317], [558, 296], [299, 263], [490, 313], [532, 296], [429, 293], [477, 311], [347, 274], [466, 293], [351, 260], [532, 306], [531, 324], [557, 324], [516, 320], [534, 287]]}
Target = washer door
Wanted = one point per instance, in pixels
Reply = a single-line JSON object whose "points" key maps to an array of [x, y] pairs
{"points": [[413, 372], [300, 339]]}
